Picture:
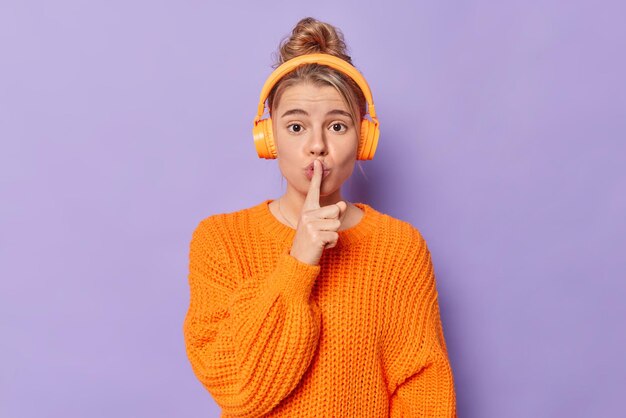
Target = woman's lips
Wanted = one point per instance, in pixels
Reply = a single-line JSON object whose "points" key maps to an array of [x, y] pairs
{"points": [[308, 172]]}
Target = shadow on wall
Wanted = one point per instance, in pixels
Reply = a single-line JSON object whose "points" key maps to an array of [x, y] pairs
{"points": [[382, 182]]}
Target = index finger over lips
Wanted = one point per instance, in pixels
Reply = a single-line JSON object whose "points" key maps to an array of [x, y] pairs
{"points": [[312, 200]]}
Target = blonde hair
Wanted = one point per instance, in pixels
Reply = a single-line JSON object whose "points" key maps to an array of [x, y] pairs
{"points": [[312, 36]]}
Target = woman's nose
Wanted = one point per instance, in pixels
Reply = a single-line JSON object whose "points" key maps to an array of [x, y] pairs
{"points": [[317, 144]]}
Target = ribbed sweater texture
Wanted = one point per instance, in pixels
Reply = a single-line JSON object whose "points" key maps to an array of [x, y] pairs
{"points": [[358, 335]]}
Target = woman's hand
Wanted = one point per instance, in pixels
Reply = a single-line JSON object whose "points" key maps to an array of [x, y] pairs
{"points": [[317, 226]]}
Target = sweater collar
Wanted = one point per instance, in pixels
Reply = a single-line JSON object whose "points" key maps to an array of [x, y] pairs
{"points": [[268, 224]]}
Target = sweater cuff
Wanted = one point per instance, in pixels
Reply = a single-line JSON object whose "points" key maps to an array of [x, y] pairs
{"points": [[293, 278]]}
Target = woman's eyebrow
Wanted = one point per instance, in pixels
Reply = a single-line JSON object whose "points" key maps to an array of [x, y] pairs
{"points": [[304, 112]]}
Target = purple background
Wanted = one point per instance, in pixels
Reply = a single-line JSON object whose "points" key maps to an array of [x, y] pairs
{"points": [[124, 123]]}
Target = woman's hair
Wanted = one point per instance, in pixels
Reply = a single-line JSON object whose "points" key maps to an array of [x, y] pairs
{"points": [[312, 36]]}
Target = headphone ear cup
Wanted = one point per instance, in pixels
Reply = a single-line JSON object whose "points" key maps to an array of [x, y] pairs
{"points": [[369, 140], [264, 139]]}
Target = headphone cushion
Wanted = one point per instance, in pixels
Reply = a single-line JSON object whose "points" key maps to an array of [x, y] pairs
{"points": [[369, 139], [264, 140]]}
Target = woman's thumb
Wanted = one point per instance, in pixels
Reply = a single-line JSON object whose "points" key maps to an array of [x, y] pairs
{"points": [[342, 208]]}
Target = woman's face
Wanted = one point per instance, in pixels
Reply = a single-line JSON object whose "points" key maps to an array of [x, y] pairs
{"points": [[312, 122]]}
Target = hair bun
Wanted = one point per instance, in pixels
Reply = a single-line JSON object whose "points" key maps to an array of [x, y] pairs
{"points": [[311, 36]]}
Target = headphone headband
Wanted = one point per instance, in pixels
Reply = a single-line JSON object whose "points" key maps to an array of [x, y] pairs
{"points": [[317, 58]]}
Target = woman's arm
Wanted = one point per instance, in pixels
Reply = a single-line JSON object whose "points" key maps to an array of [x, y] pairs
{"points": [[420, 376], [248, 344]]}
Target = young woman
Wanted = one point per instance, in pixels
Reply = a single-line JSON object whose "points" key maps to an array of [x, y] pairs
{"points": [[309, 305]]}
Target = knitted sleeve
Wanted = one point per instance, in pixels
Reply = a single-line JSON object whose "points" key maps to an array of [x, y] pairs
{"points": [[249, 343], [420, 376]]}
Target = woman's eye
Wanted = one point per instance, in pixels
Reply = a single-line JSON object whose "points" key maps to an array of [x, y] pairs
{"points": [[337, 127], [297, 127]]}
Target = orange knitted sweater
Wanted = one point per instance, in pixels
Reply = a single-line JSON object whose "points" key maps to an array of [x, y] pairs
{"points": [[358, 335]]}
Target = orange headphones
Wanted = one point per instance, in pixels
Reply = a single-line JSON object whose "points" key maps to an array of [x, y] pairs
{"points": [[262, 129]]}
